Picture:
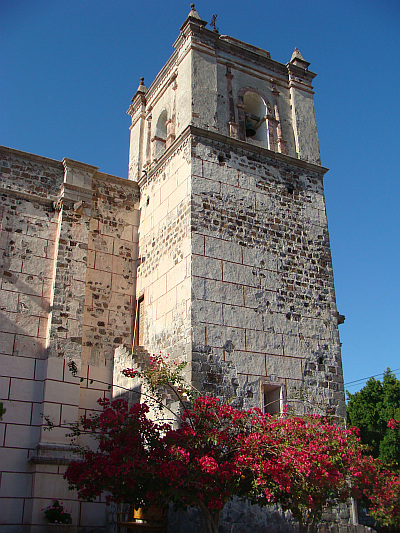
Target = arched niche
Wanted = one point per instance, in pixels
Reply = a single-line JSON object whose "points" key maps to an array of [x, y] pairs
{"points": [[256, 125], [160, 136], [255, 118]]}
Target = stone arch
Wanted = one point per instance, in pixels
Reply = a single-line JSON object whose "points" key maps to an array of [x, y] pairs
{"points": [[160, 135], [256, 119]]}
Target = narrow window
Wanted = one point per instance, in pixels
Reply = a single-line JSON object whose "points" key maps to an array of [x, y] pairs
{"points": [[272, 399], [139, 322]]}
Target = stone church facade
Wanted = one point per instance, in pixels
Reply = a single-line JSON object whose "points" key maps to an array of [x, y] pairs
{"points": [[215, 251]]}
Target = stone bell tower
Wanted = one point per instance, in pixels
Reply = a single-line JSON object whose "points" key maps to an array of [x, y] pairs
{"points": [[235, 271]]}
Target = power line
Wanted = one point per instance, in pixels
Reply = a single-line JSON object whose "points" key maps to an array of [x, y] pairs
{"points": [[374, 376]]}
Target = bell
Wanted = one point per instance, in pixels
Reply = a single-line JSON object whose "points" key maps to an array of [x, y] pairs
{"points": [[250, 131]]}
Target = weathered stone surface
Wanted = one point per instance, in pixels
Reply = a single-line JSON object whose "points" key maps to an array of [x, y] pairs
{"points": [[216, 252]]}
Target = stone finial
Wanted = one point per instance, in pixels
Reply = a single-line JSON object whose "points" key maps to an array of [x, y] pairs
{"points": [[193, 13], [142, 89], [194, 17], [296, 55], [298, 60]]}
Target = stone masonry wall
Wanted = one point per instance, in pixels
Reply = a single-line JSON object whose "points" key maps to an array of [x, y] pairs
{"points": [[68, 246], [262, 273], [28, 239], [164, 254]]}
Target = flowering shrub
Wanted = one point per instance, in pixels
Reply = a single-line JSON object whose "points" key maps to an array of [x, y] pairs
{"points": [[131, 451], [161, 371], [55, 513], [301, 463], [384, 499], [304, 464]]}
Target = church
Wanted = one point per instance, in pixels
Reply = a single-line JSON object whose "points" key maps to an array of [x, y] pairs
{"points": [[215, 251]]}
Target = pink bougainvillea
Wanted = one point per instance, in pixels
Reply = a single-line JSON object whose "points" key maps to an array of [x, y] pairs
{"points": [[301, 463]]}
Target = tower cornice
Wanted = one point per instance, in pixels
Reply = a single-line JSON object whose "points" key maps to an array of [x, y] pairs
{"points": [[240, 147]]}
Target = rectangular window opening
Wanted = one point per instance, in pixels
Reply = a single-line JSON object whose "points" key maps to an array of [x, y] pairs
{"points": [[273, 399], [139, 322]]}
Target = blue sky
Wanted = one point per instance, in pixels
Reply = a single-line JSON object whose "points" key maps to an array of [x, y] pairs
{"points": [[69, 70]]}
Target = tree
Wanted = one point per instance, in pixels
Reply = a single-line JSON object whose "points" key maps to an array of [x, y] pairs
{"points": [[370, 410]]}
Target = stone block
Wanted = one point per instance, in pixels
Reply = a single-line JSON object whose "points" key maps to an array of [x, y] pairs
{"points": [[121, 284], [295, 346], [198, 336], [158, 288], [168, 187], [49, 484], [33, 305], [196, 166], [69, 414], [241, 274], [55, 368], [13, 460], [220, 249], [103, 261], [6, 343], [61, 392], [197, 244], [225, 337], [259, 341], [78, 287], [23, 367], [204, 186], [241, 198], [101, 243], [12, 265], [9, 301], [246, 181], [221, 173], [101, 376], [224, 292], [207, 312], [8, 324], [280, 323], [4, 387], [179, 195], [284, 367], [30, 246], [198, 289], [38, 266], [88, 398], [11, 510], [21, 436], [257, 298], [92, 514], [25, 390], [260, 257], [248, 362], [16, 412], [206, 267], [176, 275]]}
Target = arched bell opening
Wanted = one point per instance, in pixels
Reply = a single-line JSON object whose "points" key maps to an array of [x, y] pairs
{"points": [[160, 138], [255, 119]]}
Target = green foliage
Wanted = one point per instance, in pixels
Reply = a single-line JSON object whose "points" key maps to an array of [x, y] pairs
{"points": [[2, 410], [370, 410], [56, 514]]}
